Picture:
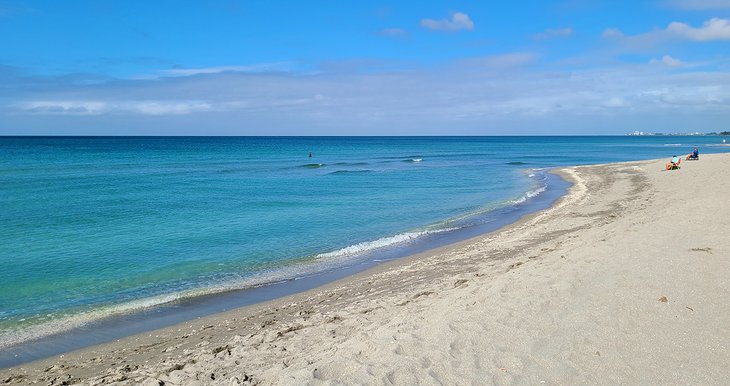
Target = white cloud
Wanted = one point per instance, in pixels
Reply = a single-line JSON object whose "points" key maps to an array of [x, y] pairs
{"points": [[81, 107], [64, 107], [615, 102], [458, 21], [667, 61], [699, 4], [166, 107], [500, 62], [255, 68], [713, 29], [551, 33], [393, 33], [611, 33]]}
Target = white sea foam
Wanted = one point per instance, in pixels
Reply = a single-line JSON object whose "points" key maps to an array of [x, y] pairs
{"points": [[417, 159], [384, 242], [528, 195], [519, 200], [535, 192]]}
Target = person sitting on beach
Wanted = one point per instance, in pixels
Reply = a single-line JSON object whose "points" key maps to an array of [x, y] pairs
{"points": [[694, 155], [674, 163]]}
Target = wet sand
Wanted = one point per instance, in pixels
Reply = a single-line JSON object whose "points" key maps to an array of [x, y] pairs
{"points": [[624, 280]]}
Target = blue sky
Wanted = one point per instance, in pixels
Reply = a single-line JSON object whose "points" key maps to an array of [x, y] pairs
{"points": [[363, 68]]}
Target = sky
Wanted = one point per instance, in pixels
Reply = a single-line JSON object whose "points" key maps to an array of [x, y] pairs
{"points": [[227, 67]]}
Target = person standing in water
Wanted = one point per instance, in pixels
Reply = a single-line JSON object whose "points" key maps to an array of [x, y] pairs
{"points": [[310, 154]]}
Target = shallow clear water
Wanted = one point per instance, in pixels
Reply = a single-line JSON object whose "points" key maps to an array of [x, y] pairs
{"points": [[93, 227]]}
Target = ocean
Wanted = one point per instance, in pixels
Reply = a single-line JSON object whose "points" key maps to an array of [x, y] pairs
{"points": [[97, 228]]}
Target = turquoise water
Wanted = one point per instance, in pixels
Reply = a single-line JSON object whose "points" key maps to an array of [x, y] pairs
{"points": [[94, 227]]}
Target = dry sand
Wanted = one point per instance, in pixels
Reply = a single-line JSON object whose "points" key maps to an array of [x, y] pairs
{"points": [[624, 281]]}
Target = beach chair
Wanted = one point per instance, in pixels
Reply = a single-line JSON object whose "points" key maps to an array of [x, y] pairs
{"points": [[672, 165], [693, 156], [675, 166]]}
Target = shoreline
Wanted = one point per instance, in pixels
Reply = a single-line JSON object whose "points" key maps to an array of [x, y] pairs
{"points": [[180, 310], [538, 300]]}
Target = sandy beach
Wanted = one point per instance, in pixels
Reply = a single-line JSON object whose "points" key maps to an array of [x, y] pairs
{"points": [[623, 281]]}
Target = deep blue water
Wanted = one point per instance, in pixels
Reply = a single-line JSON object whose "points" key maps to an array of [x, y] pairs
{"points": [[96, 227]]}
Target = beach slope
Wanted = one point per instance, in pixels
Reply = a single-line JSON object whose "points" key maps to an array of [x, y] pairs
{"points": [[623, 281]]}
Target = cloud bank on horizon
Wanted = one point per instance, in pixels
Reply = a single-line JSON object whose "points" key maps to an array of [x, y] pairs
{"points": [[325, 68]]}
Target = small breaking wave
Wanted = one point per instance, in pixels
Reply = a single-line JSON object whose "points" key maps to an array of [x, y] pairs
{"points": [[351, 163], [312, 166], [396, 158], [351, 171], [384, 242], [528, 195]]}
